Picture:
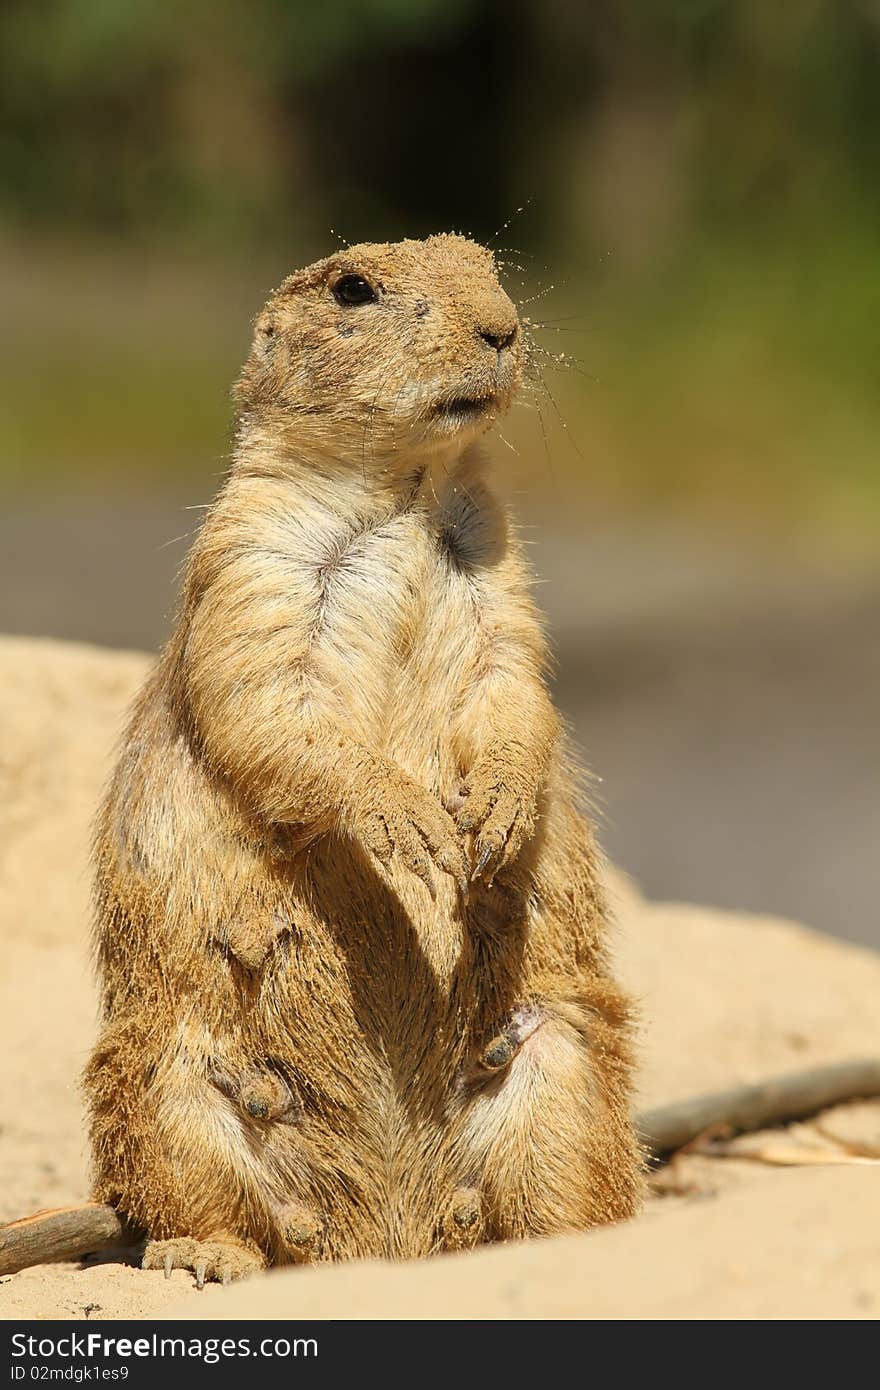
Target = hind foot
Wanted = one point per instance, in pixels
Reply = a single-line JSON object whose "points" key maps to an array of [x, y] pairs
{"points": [[222, 1259], [518, 1028], [463, 1227], [301, 1229], [262, 1092]]}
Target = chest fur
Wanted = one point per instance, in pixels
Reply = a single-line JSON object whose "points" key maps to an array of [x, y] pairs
{"points": [[399, 612]]}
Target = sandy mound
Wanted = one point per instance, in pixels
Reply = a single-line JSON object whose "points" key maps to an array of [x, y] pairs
{"points": [[751, 1255], [725, 998]]}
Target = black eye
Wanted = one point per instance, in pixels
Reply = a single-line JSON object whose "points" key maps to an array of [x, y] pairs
{"points": [[353, 289]]}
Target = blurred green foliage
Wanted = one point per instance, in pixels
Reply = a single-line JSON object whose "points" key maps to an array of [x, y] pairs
{"points": [[129, 115], [699, 182]]}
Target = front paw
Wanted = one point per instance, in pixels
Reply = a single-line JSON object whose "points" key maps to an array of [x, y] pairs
{"points": [[251, 938], [499, 811], [408, 821]]}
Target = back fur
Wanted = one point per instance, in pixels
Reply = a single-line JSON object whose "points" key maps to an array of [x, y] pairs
{"points": [[350, 930]]}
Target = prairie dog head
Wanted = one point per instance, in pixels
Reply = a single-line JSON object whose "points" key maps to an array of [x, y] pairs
{"points": [[382, 351]]}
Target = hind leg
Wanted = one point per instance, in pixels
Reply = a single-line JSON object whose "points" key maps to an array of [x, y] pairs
{"points": [[544, 1131], [178, 1155]]}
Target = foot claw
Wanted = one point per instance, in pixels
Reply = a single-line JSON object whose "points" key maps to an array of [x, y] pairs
{"points": [[481, 863], [221, 1258]]}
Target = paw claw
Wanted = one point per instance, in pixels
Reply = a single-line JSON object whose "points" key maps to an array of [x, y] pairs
{"points": [[481, 863], [500, 815], [414, 825], [222, 1258]]}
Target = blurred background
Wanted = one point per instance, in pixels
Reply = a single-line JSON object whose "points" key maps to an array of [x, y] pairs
{"points": [[685, 197]]}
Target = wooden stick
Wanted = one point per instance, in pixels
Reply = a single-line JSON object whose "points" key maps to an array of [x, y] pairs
{"points": [[777, 1101], [62, 1233], [67, 1233]]}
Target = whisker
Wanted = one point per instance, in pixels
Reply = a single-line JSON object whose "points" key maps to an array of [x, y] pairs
{"points": [[561, 417], [548, 289], [369, 425], [564, 362], [543, 433], [175, 540], [458, 483], [557, 328], [504, 226], [400, 391], [555, 356]]}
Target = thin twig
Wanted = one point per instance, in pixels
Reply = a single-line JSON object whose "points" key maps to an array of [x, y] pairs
{"points": [[780, 1100]]}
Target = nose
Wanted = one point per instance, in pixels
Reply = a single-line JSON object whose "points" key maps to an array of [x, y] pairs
{"points": [[498, 337]]}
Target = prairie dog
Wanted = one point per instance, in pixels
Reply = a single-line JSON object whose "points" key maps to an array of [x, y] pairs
{"points": [[350, 931]]}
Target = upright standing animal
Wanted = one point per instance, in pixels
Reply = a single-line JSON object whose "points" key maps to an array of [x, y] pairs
{"points": [[350, 929]]}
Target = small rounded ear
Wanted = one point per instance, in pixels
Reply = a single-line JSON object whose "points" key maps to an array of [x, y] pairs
{"points": [[265, 330], [257, 377]]}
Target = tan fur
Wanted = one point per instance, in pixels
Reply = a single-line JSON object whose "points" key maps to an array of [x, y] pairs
{"points": [[349, 924]]}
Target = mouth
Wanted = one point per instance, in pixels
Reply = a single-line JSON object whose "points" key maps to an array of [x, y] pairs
{"points": [[462, 410]]}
